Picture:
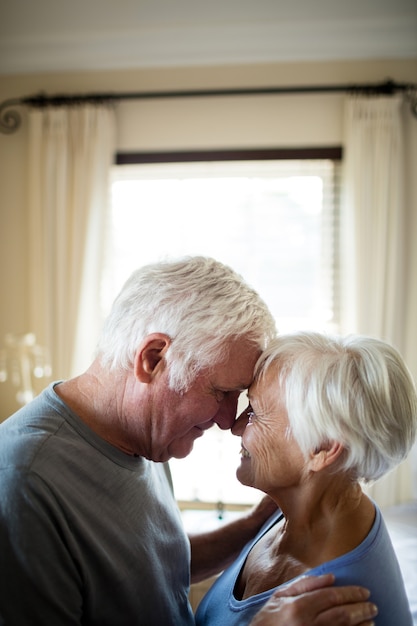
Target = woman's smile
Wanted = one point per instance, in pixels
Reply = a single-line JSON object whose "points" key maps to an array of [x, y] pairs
{"points": [[244, 453]]}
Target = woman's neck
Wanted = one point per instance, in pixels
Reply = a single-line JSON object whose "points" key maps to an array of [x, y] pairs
{"points": [[326, 524], [320, 525]]}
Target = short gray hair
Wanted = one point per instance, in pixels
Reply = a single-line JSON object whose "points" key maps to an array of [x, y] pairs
{"points": [[355, 390], [198, 302]]}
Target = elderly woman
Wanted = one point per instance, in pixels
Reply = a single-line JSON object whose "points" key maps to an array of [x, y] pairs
{"points": [[325, 413]]}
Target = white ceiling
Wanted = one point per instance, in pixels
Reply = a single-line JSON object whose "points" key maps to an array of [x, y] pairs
{"points": [[62, 35]]}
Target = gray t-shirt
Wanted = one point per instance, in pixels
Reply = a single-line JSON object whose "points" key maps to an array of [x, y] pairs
{"points": [[88, 534]]}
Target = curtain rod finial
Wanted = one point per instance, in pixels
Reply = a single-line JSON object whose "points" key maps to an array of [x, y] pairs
{"points": [[10, 120], [411, 96]]}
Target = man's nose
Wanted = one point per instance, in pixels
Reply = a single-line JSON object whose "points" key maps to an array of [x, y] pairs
{"points": [[226, 415], [240, 424]]}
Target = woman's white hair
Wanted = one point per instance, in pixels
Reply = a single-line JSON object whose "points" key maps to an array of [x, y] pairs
{"points": [[355, 390], [198, 302]]}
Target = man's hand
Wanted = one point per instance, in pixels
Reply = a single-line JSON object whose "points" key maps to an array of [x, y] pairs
{"points": [[261, 511], [213, 551], [313, 601]]}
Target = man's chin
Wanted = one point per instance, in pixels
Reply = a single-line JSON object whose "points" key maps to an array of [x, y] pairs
{"points": [[180, 449]]}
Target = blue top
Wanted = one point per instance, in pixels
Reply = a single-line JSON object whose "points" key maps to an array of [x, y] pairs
{"points": [[372, 564]]}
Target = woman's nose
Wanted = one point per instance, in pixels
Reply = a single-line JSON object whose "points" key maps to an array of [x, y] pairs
{"points": [[240, 424]]}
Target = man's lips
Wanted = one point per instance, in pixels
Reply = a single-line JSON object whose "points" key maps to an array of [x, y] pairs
{"points": [[204, 426], [200, 429]]}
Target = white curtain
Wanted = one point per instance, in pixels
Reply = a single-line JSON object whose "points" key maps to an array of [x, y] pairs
{"points": [[379, 232], [70, 154]]}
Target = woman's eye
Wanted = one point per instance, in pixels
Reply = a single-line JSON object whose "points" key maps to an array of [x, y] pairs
{"points": [[250, 415]]}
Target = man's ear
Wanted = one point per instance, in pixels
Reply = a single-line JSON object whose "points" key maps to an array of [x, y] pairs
{"points": [[328, 453], [149, 357]]}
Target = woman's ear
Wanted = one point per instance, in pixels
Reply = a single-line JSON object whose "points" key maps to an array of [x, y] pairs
{"points": [[325, 455], [149, 357]]}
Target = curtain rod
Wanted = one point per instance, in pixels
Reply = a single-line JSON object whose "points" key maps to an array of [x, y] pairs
{"points": [[10, 119]]}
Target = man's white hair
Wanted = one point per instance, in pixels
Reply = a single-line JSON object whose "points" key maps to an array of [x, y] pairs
{"points": [[198, 302]]}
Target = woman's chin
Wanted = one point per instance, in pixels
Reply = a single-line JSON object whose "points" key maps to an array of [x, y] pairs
{"points": [[243, 474]]}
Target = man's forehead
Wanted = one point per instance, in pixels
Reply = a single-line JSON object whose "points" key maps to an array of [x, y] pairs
{"points": [[235, 372], [236, 377], [230, 382]]}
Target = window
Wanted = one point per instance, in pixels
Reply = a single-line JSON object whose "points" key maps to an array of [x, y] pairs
{"points": [[275, 222]]}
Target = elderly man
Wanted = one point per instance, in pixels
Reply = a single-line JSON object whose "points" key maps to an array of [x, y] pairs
{"points": [[90, 533]]}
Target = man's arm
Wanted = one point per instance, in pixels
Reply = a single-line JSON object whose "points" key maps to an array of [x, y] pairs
{"points": [[314, 601], [213, 551]]}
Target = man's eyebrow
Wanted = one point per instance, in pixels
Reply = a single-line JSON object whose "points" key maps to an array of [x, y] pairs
{"points": [[239, 387]]}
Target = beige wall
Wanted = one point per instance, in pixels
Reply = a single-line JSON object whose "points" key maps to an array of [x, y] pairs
{"points": [[269, 121]]}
